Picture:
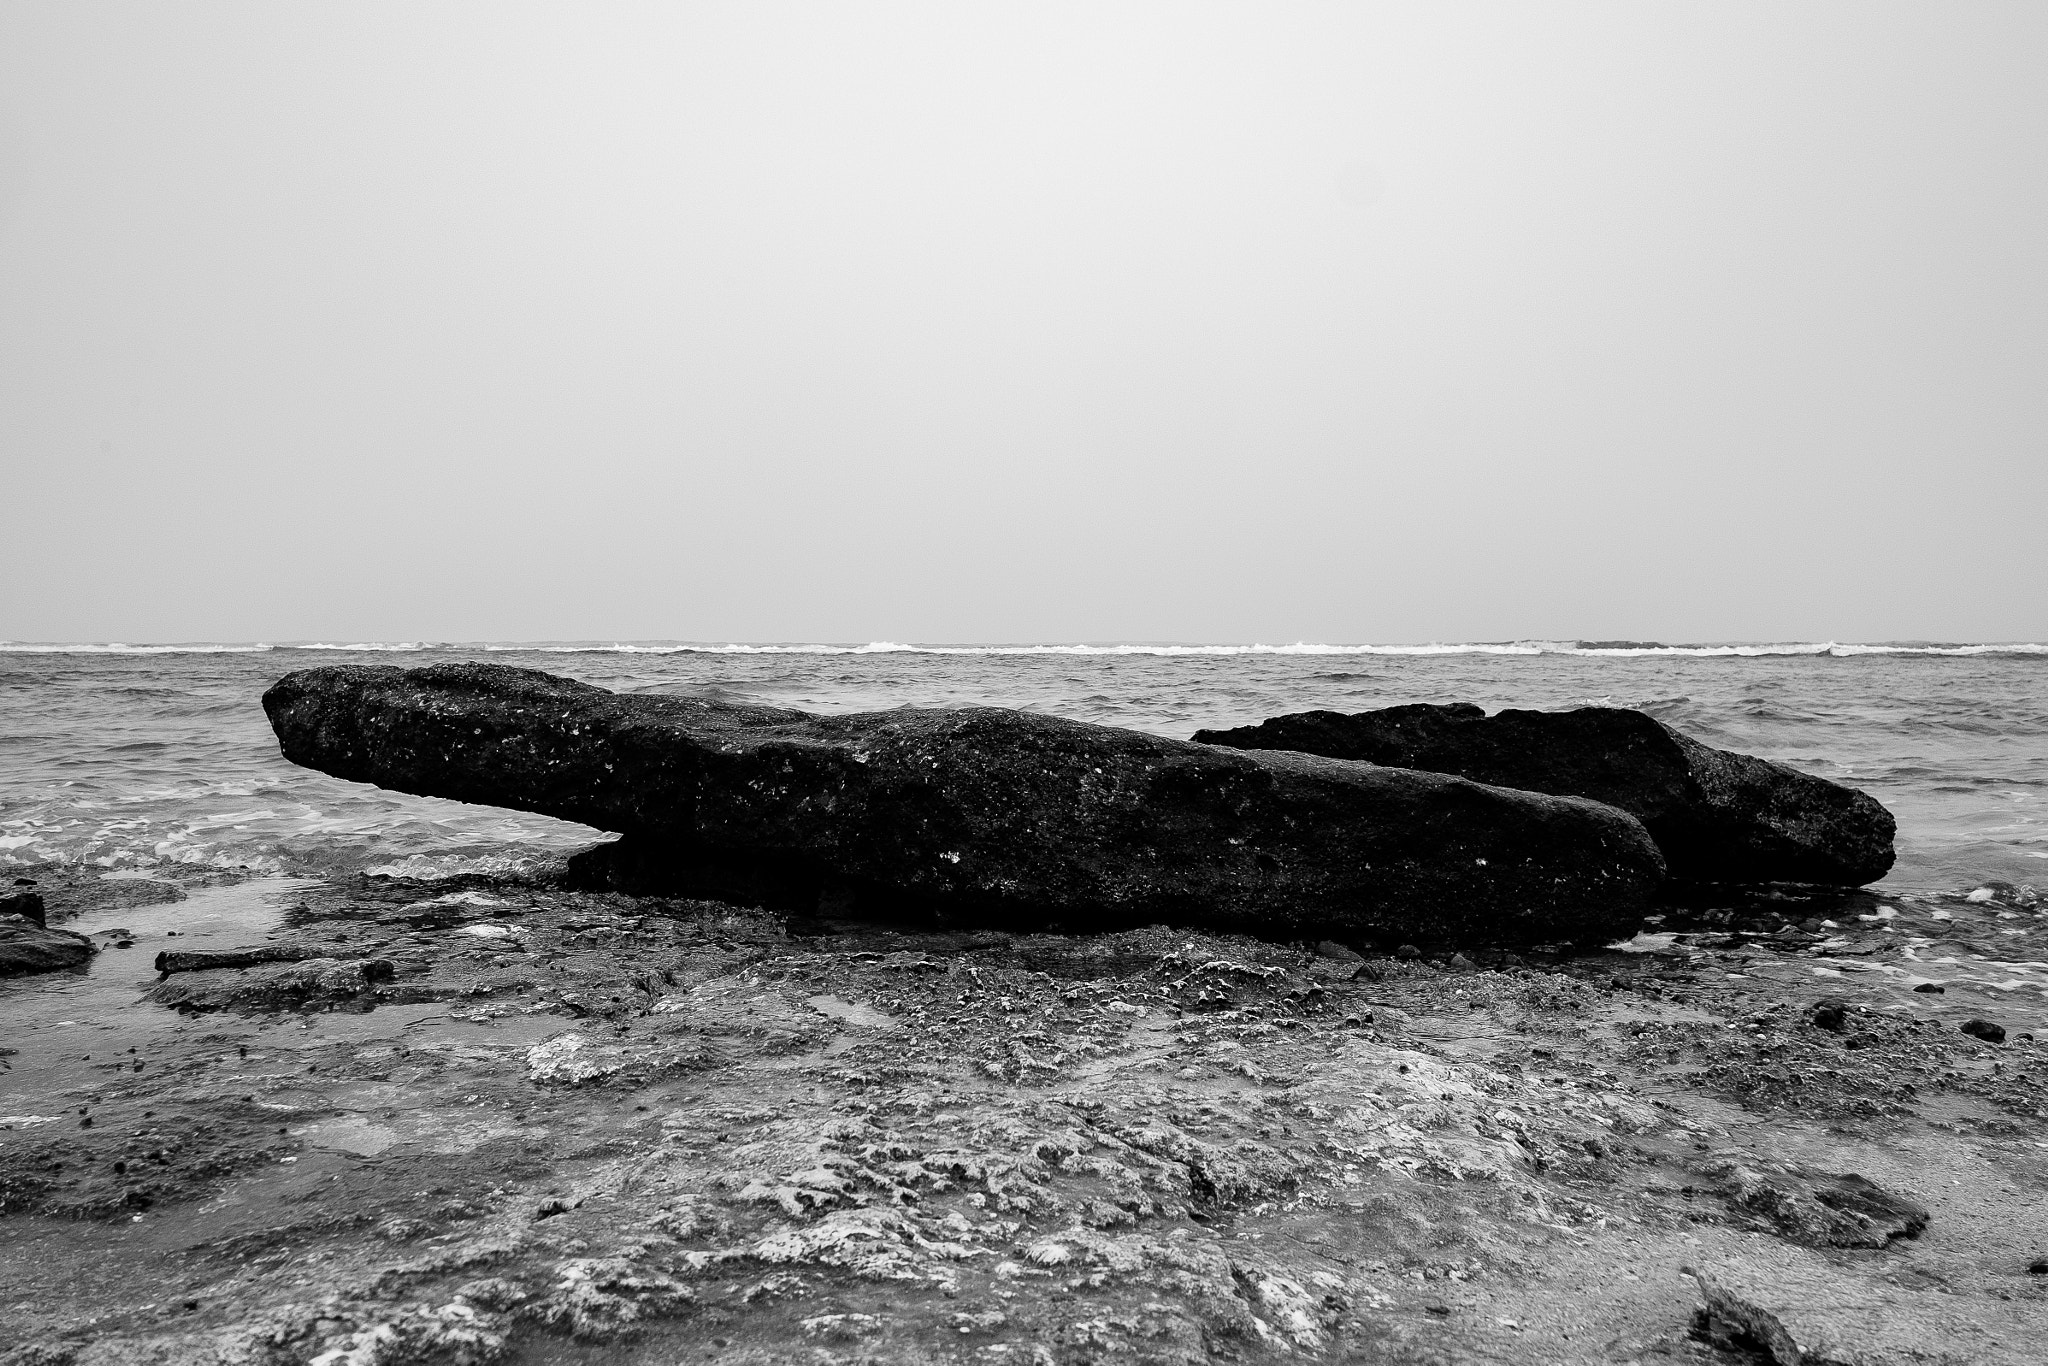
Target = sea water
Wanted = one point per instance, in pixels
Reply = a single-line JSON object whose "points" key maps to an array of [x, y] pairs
{"points": [[133, 758]]}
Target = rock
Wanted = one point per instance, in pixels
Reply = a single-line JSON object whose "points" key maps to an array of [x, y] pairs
{"points": [[1829, 1013], [24, 902], [979, 814], [200, 960], [1800, 1311], [1931, 989], [1821, 1210], [1330, 948], [278, 985], [26, 946], [1985, 1030], [1717, 816]]}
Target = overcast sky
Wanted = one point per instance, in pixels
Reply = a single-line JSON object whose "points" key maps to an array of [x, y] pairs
{"points": [[1254, 322]]}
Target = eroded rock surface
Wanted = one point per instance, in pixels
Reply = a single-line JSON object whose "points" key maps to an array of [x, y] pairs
{"points": [[1799, 1312], [980, 815], [26, 947], [1717, 816], [576, 1126]]}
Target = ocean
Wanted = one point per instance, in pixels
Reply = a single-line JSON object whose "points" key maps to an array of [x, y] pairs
{"points": [[133, 758]]}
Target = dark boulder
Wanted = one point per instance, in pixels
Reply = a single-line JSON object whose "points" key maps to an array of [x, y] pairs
{"points": [[27, 947], [1718, 816], [23, 901], [979, 814]]}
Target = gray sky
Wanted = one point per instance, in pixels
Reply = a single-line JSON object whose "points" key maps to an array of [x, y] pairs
{"points": [[1266, 321]]}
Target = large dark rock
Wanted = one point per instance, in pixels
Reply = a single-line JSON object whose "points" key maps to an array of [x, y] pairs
{"points": [[1718, 816], [979, 814], [26, 947]]}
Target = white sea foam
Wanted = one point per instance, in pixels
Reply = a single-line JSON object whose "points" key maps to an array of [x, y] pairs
{"points": [[438, 867], [1511, 647], [29, 647], [374, 646]]}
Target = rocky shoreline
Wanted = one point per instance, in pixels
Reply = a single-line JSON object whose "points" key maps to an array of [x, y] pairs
{"points": [[582, 1116], [569, 1126]]}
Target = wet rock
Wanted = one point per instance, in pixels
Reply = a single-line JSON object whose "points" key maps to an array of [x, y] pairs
{"points": [[1718, 816], [2024, 896], [307, 982], [23, 901], [1822, 1210], [1985, 1030], [1800, 1312], [26, 947], [979, 814], [1829, 1013], [199, 960]]}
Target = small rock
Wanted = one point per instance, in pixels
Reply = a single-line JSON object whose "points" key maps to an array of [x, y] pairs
{"points": [[1830, 1013], [2038, 1267], [1330, 948], [1931, 989], [1985, 1030], [1408, 951]]}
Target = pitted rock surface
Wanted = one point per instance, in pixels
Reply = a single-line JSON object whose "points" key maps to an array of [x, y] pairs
{"points": [[1717, 816], [980, 815]]}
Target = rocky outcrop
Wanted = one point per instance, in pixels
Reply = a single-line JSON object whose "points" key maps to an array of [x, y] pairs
{"points": [[980, 814], [1718, 816], [28, 947]]}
